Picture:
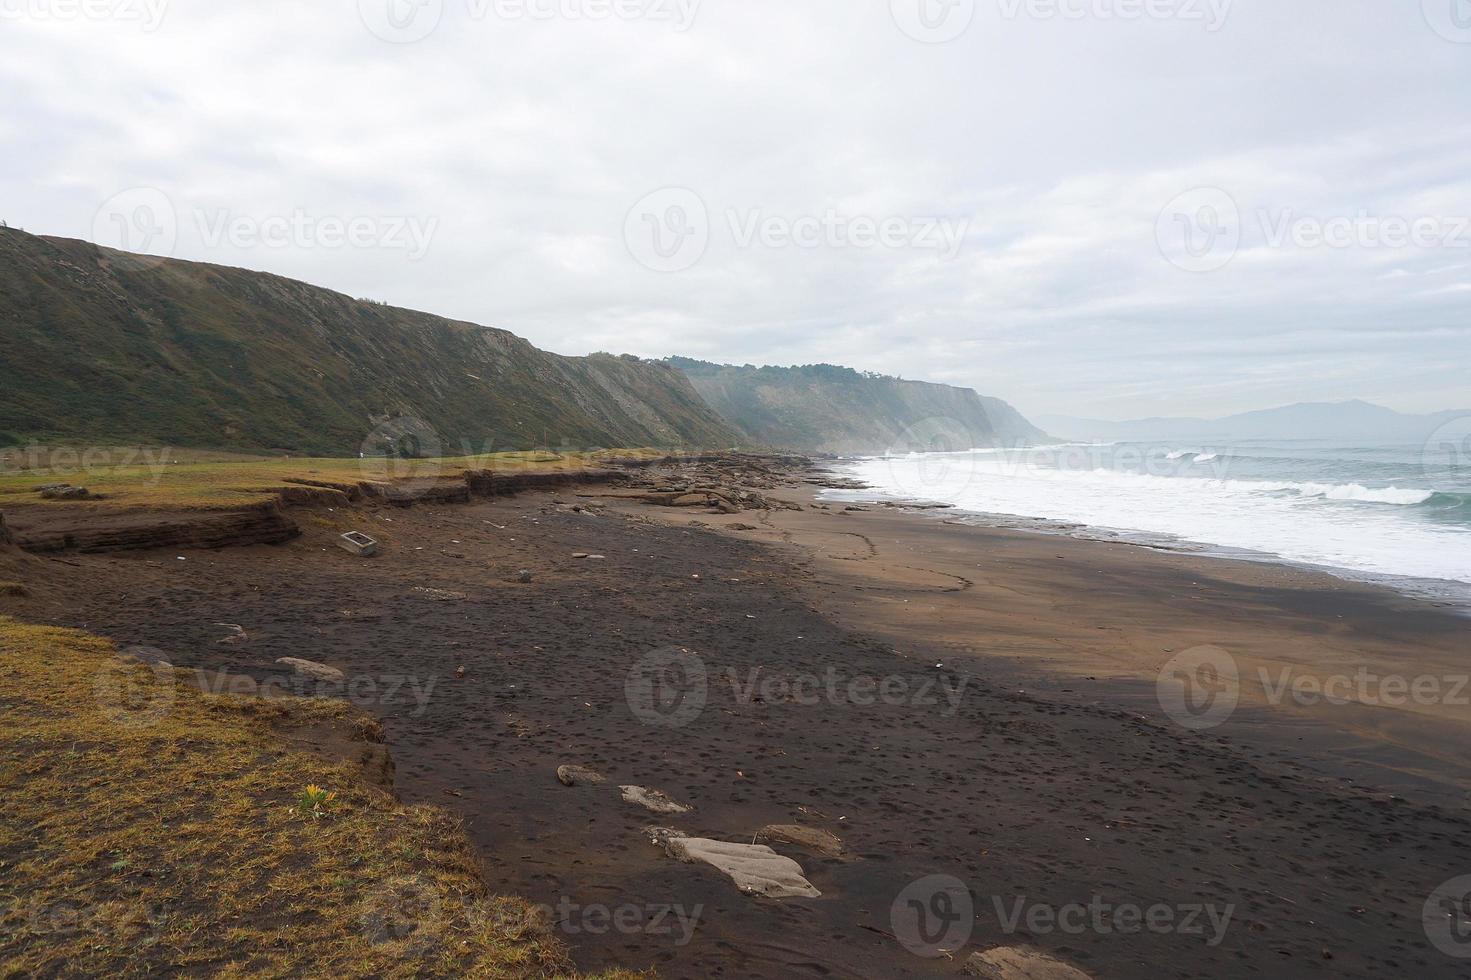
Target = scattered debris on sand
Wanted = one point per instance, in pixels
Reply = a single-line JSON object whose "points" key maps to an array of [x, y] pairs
{"points": [[439, 595], [520, 727], [237, 633], [755, 868], [652, 799], [312, 669], [579, 776], [1020, 963], [358, 543], [63, 491], [723, 483]]}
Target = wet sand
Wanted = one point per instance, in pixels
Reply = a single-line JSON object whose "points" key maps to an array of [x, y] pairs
{"points": [[1052, 778]]}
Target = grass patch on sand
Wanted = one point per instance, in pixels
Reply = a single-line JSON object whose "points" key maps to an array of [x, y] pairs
{"points": [[159, 483], [150, 829]]}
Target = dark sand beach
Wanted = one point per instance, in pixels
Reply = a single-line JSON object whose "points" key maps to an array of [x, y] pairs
{"points": [[948, 701]]}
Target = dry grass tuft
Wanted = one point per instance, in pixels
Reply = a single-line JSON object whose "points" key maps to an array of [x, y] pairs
{"points": [[150, 829]]}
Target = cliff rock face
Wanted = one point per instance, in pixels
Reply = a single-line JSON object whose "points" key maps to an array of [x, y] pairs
{"points": [[824, 408], [109, 347]]}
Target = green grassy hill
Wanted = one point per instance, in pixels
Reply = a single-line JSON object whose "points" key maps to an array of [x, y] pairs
{"points": [[101, 346]]}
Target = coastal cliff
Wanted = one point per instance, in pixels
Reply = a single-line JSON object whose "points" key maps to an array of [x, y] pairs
{"points": [[103, 346], [826, 408]]}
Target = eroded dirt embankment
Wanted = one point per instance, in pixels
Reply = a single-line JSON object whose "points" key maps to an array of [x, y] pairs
{"points": [[91, 527]]}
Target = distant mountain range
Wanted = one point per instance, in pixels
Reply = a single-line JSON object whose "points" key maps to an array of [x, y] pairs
{"points": [[1347, 421], [826, 408]]}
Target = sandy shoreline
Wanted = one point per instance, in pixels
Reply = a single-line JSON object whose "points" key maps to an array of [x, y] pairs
{"points": [[1008, 769], [1318, 650]]}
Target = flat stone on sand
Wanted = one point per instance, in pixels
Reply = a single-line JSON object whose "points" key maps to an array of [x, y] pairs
{"points": [[814, 839], [1020, 963], [755, 868], [309, 668], [145, 655], [652, 799], [579, 776]]}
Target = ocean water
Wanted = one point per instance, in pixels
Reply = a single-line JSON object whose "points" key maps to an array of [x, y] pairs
{"points": [[1385, 512]]}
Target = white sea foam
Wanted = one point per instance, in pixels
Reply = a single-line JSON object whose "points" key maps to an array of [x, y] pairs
{"points": [[1408, 497], [1343, 525]]}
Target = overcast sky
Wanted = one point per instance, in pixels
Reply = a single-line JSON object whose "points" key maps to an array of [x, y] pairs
{"points": [[1112, 208]]}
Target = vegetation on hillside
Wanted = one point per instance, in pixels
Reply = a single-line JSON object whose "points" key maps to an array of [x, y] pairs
{"points": [[104, 347]]}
